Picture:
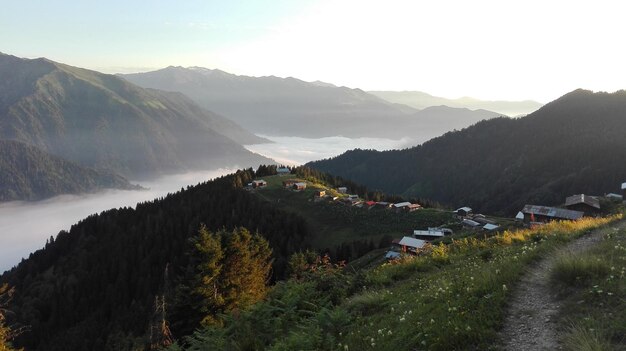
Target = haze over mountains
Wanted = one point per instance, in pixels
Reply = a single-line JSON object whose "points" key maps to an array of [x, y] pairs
{"points": [[575, 144], [104, 122], [291, 107], [31, 174], [421, 100]]}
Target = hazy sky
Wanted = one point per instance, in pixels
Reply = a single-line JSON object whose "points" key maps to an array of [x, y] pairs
{"points": [[487, 49]]}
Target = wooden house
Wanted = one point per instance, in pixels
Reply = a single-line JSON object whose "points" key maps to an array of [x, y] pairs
{"points": [[490, 227], [283, 171], [406, 206], [411, 245], [290, 182], [544, 214], [259, 183], [583, 203], [299, 186], [429, 235], [463, 211]]}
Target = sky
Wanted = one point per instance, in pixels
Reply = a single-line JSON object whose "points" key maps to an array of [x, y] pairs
{"points": [[497, 49]]}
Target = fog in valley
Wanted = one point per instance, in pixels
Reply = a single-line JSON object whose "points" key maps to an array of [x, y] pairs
{"points": [[297, 151], [25, 226]]}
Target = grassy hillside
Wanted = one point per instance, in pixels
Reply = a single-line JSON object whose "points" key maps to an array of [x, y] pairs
{"points": [[453, 298], [332, 224], [570, 146], [27, 173]]}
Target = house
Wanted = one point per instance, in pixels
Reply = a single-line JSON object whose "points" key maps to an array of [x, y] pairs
{"points": [[406, 206], [320, 193], [614, 197], [290, 182], [299, 186], [543, 214], [281, 171], [470, 223], [482, 219], [353, 196], [624, 192], [383, 204], [342, 190], [428, 235], [370, 203], [463, 211], [413, 207], [259, 183], [411, 245], [446, 231], [583, 203], [392, 255], [490, 227]]}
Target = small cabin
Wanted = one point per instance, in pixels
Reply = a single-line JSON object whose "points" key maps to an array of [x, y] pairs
{"points": [[490, 227], [259, 183], [470, 223], [282, 171], [463, 211], [392, 255], [543, 214], [320, 193], [583, 203], [290, 182], [299, 186], [428, 235], [411, 245]]}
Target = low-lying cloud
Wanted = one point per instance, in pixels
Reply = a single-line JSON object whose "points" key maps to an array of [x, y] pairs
{"points": [[25, 226], [298, 151]]}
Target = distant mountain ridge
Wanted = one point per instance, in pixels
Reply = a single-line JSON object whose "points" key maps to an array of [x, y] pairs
{"points": [[421, 100], [27, 173], [572, 145], [292, 107], [104, 122]]}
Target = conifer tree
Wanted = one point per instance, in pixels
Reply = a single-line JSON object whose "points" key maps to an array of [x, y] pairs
{"points": [[246, 270]]}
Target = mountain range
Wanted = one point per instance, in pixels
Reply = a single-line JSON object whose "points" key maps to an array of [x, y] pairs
{"points": [[276, 106], [31, 174], [421, 100], [104, 122], [572, 145]]}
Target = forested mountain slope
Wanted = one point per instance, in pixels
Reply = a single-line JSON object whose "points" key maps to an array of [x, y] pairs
{"points": [[575, 144], [94, 287], [27, 173], [104, 122]]}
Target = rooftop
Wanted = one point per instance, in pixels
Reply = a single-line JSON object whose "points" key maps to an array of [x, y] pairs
{"points": [[582, 199], [552, 212], [412, 242]]}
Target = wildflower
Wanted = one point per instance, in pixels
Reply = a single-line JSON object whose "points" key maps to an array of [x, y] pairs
{"points": [[504, 287]]}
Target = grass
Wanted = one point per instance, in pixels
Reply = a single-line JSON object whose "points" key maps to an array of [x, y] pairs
{"points": [[454, 300], [592, 287]]}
